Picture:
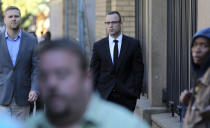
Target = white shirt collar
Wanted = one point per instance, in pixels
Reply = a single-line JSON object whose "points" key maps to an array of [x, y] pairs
{"points": [[119, 38], [112, 44], [18, 36]]}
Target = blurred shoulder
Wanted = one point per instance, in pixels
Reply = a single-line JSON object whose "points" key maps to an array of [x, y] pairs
{"points": [[101, 41], [206, 77], [121, 117], [132, 39], [40, 120], [29, 37]]}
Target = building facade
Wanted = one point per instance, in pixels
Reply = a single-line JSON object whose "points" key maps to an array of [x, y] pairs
{"points": [[164, 28]]}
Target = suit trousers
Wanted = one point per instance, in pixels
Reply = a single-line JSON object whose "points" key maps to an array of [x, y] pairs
{"points": [[125, 101], [15, 111]]}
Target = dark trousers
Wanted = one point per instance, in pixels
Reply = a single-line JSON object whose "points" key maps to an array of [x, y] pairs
{"points": [[183, 111], [125, 101]]}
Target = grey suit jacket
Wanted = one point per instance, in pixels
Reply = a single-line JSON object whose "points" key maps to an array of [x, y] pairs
{"points": [[18, 80]]}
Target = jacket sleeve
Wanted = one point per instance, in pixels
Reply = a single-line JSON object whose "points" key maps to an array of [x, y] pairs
{"points": [[34, 70], [95, 65], [138, 69]]}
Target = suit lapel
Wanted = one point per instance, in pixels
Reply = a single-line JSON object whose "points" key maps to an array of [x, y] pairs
{"points": [[22, 47], [107, 50], [6, 50], [123, 51]]}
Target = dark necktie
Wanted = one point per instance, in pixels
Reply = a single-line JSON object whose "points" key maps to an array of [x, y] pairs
{"points": [[115, 52]]}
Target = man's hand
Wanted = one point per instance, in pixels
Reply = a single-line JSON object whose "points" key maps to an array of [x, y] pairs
{"points": [[185, 97], [32, 96]]}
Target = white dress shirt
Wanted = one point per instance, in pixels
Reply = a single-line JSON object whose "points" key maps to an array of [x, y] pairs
{"points": [[111, 45], [13, 46]]}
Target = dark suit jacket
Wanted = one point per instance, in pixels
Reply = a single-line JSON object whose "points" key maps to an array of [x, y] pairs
{"points": [[127, 75], [18, 80]]}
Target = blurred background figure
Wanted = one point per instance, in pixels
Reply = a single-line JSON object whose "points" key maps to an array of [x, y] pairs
{"points": [[47, 36], [33, 33], [41, 37]]}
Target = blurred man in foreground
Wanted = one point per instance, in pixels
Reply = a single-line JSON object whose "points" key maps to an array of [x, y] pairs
{"points": [[66, 89], [8, 122]]}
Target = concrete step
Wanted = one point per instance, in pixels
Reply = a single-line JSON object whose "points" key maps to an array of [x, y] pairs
{"points": [[165, 120]]}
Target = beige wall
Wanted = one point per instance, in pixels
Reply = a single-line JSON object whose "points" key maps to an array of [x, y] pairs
{"points": [[91, 19], [157, 50], [56, 18], [102, 7], [127, 11], [203, 17]]}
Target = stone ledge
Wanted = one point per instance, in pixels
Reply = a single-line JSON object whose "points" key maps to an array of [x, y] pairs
{"points": [[165, 120], [145, 111]]}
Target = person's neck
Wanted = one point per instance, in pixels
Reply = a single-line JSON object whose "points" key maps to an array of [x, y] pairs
{"points": [[116, 36], [65, 121], [12, 33], [68, 121], [72, 126]]}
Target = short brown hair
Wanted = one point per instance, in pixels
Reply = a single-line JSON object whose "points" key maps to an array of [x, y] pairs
{"points": [[115, 12], [11, 8], [66, 45]]}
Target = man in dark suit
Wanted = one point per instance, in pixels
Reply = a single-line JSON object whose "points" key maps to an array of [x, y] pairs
{"points": [[18, 72], [117, 65]]}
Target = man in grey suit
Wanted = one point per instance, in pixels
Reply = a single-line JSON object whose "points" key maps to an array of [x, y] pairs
{"points": [[18, 71]]}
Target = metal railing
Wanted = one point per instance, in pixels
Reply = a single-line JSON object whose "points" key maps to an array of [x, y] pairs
{"points": [[181, 27]]}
